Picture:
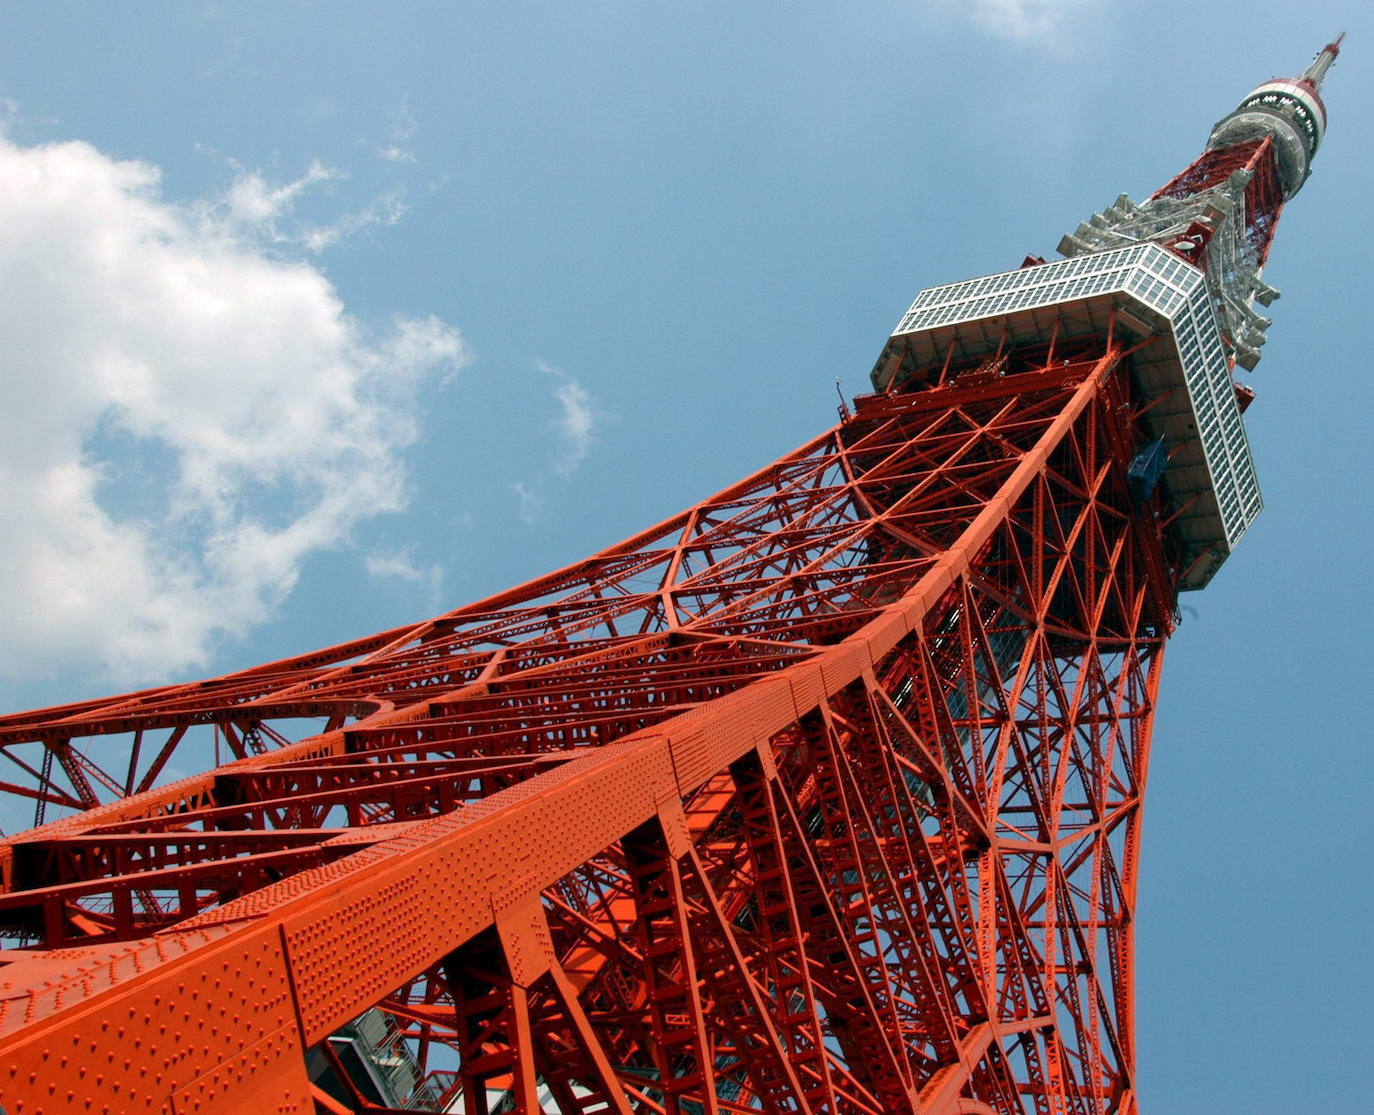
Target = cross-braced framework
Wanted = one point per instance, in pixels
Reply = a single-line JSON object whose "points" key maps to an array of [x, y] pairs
{"points": [[821, 796]]}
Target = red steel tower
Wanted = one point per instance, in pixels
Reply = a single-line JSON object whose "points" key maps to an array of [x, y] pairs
{"points": [[821, 796]]}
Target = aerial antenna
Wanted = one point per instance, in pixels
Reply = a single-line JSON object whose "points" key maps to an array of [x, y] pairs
{"points": [[844, 406], [1316, 72]]}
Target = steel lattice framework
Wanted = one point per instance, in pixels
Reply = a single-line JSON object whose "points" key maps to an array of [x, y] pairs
{"points": [[821, 796]]}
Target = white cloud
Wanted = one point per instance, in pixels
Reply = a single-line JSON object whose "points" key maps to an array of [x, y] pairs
{"points": [[575, 422], [187, 417], [574, 426], [385, 210], [401, 566], [529, 504], [258, 209], [397, 148], [252, 201], [1027, 21], [574, 431]]}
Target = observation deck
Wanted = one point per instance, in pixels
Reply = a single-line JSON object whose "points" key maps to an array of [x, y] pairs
{"points": [[1181, 367]]}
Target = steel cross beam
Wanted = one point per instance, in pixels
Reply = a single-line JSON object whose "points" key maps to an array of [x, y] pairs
{"points": [[822, 796]]}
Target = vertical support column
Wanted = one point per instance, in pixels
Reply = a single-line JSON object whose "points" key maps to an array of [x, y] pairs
{"points": [[681, 1051]]}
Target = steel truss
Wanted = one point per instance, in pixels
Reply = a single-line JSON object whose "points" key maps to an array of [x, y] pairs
{"points": [[821, 796]]}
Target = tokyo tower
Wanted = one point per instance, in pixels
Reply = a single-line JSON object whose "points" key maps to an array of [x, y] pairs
{"points": [[823, 795]]}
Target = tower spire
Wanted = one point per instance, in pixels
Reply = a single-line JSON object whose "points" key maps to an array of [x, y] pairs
{"points": [[1289, 112], [1220, 213], [1326, 57]]}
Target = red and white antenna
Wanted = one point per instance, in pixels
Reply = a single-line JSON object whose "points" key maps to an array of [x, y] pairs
{"points": [[1220, 212], [1315, 73]]}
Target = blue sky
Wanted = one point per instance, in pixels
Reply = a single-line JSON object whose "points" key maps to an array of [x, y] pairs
{"points": [[317, 318]]}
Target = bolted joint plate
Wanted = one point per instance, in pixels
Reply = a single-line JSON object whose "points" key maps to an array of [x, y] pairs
{"points": [[1155, 298]]}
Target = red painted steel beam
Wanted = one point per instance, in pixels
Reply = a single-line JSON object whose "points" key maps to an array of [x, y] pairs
{"points": [[833, 817]]}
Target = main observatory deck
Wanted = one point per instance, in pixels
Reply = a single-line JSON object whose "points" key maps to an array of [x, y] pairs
{"points": [[1163, 303]]}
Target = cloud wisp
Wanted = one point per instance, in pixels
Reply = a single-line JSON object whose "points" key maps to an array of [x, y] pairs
{"points": [[398, 146], [528, 502], [189, 414], [400, 565], [255, 208], [574, 423], [574, 430], [1028, 22]]}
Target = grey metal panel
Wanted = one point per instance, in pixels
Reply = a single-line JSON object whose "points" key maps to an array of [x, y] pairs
{"points": [[1211, 472]]}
